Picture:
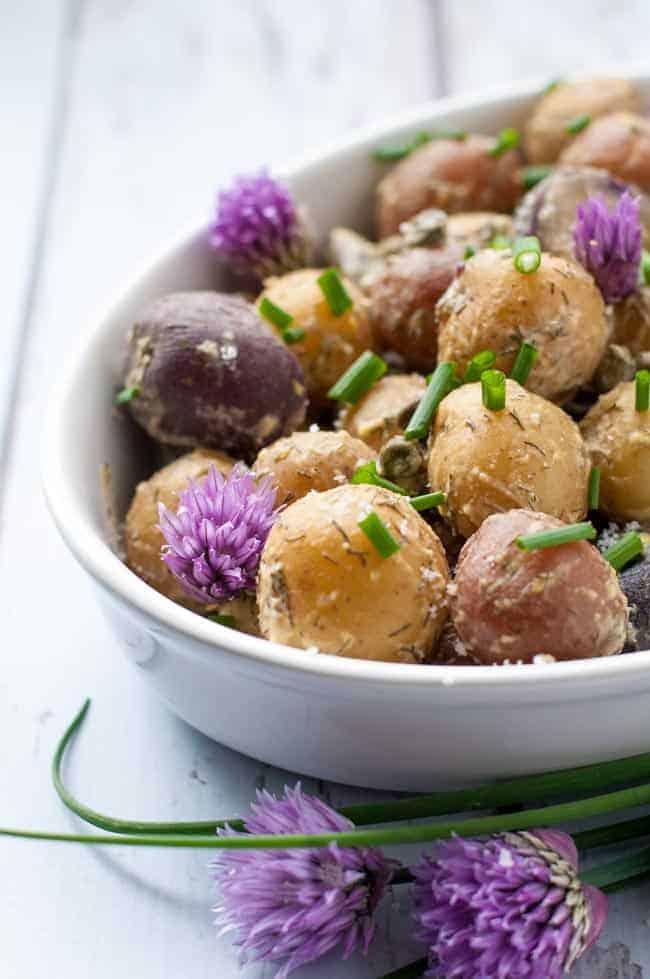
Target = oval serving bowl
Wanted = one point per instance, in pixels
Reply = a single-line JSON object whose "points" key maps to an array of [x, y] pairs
{"points": [[383, 725]]}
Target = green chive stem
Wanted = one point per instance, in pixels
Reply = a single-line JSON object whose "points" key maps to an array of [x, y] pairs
{"points": [[228, 621], [555, 538], [532, 175], [593, 492], [500, 242], [642, 390], [379, 535], [367, 474], [482, 361], [629, 547], [577, 124], [644, 268], [275, 314], [127, 394], [493, 388], [628, 829], [524, 363], [428, 501], [527, 254], [336, 295], [358, 378], [507, 139], [293, 334], [437, 389], [469, 252]]}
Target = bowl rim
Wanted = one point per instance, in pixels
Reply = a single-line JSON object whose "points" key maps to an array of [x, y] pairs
{"points": [[94, 552]]}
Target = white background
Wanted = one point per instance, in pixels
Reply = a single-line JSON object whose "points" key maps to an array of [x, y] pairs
{"points": [[119, 120]]}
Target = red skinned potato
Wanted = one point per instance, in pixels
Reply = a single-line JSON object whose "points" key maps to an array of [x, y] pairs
{"points": [[208, 373], [402, 300], [454, 175], [384, 410], [631, 321], [618, 143], [511, 605]]}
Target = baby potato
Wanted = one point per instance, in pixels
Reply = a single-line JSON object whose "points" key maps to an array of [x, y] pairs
{"points": [[558, 308], [477, 229], [324, 586], [206, 372], [308, 461], [631, 321], [618, 143], [509, 605], [331, 343], [549, 209], [454, 175], [618, 440], [402, 300], [529, 455], [385, 410], [545, 133], [635, 583]]}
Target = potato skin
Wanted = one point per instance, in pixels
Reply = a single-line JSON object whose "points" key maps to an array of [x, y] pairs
{"points": [[618, 440], [558, 308], [549, 209], [631, 321], [385, 410], [545, 134], [323, 584], [511, 605], [331, 343], [618, 143], [477, 228], [454, 175], [402, 302], [209, 374], [529, 455], [307, 461]]}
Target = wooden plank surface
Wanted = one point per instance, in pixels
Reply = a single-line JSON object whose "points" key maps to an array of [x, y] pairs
{"points": [[134, 114]]}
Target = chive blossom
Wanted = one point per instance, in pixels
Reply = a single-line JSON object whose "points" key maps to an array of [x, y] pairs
{"points": [[642, 390], [336, 295], [493, 389], [524, 362], [275, 314], [560, 535], [527, 254], [438, 388], [379, 535], [367, 474], [531, 176], [226, 620], [577, 124], [127, 394], [629, 547], [644, 268], [480, 362], [428, 501], [507, 139], [358, 378], [593, 492], [293, 334], [500, 242]]}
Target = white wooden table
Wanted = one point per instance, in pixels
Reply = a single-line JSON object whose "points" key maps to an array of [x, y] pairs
{"points": [[120, 119]]}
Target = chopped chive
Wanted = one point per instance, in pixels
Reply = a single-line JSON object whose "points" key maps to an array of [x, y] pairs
{"points": [[227, 620], [624, 550], [644, 268], [293, 334], [368, 474], [500, 242], [358, 378], [531, 176], [379, 535], [527, 254], [551, 85], [642, 390], [554, 538], [577, 124], [274, 314], [387, 154], [506, 140], [428, 500], [469, 252], [127, 394], [457, 134], [593, 493], [439, 386], [493, 389], [524, 361], [482, 361], [336, 295]]}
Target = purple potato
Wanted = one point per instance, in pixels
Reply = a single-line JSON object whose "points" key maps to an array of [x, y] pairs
{"points": [[635, 582], [549, 209], [208, 373]]}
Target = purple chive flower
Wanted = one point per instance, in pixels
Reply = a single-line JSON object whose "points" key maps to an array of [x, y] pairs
{"points": [[508, 908], [608, 243], [257, 227], [296, 905], [215, 539]]}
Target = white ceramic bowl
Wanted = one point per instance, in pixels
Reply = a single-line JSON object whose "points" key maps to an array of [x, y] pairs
{"points": [[375, 724]]}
